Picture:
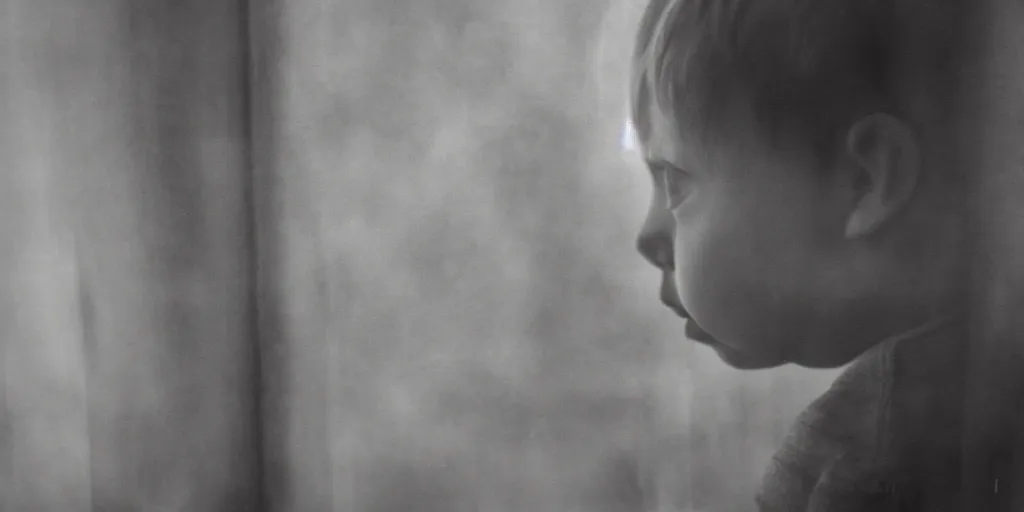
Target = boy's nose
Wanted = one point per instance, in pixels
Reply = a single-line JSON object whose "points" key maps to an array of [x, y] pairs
{"points": [[655, 241]]}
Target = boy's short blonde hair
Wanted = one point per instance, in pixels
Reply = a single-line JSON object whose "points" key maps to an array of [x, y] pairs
{"points": [[808, 66]]}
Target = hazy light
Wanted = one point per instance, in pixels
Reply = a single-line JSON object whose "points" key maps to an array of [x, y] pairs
{"points": [[628, 139]]}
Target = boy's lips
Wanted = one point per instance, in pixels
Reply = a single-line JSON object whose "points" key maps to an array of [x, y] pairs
{"points": [[696, 333], [670, 299], [693, 331]]}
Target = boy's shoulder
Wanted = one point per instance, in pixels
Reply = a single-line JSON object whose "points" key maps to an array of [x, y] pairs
{"points": [[891, 414]]}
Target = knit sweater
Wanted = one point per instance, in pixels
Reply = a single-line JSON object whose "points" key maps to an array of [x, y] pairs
{"points": [[884, 437]]}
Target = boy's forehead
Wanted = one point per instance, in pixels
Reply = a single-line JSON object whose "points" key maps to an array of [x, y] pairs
{"points": [[695, 143]]}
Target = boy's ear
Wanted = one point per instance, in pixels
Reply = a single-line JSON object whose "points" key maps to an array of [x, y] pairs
{"points": [[885, 165]]}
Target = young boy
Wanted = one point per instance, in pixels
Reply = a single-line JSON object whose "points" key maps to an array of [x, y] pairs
{"points": [[807, 210]]}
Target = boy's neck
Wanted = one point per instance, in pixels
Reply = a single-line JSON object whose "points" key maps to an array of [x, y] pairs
{"points": [[925, 329], [862, 335], [935, 323]]}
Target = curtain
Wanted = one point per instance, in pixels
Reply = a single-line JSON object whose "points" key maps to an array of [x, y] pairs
{"points": [[126, 306]]}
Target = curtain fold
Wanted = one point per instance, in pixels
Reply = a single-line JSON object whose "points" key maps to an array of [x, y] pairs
{"points": [[126, 336]]}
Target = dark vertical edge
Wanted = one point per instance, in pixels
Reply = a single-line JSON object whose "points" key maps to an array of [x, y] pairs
{"points": [[258, 153], [989, 416], [970, 101], [87, 318], [292, 397], [7, 259]]}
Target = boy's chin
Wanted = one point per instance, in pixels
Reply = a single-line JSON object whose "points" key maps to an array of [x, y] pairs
{"points": [[731, 356], [744, 361]]}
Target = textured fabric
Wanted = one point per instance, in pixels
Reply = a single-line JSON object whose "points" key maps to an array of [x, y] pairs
{"points": [[884, 437]]}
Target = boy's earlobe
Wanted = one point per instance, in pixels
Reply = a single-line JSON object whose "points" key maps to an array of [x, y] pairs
{"points": [[886, 163]]}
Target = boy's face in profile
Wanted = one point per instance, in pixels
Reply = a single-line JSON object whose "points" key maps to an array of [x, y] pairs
{"points": [[743, 234]]}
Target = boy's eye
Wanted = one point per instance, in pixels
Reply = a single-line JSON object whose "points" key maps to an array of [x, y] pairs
{"points": [[678, 185]]}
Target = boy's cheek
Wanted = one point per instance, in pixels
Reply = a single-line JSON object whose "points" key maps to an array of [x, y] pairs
{"points": [[730, 296], [724, 269], [705, 283]]}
